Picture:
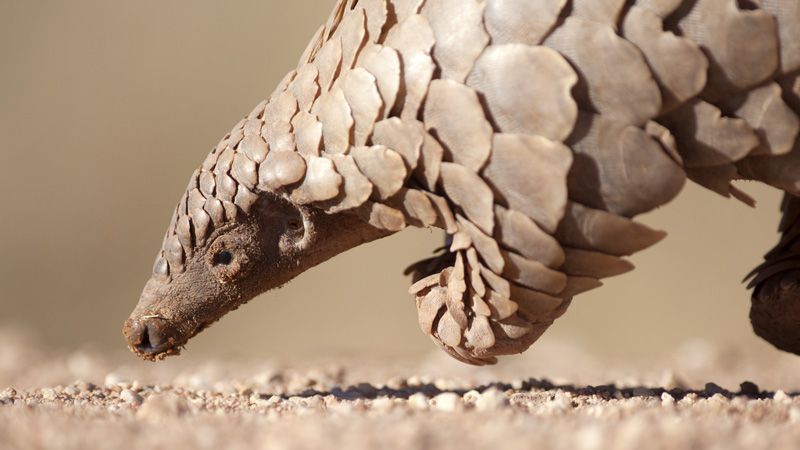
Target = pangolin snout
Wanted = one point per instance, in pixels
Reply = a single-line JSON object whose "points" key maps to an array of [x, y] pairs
{"points": [[152, 337]]}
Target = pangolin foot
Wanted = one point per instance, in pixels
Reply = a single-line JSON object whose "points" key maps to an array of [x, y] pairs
{"points": [[775, 311]]}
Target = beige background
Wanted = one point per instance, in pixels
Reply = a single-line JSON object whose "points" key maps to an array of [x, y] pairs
{"points": [[106, 106]]}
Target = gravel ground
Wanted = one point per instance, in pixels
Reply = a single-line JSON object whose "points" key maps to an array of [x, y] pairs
{"points": [[574, 401]]}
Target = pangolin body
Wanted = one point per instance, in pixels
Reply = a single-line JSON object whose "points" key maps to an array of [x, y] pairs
{"points": [[531, 131]]}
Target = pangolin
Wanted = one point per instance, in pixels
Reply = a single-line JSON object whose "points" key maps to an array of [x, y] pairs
{"points": [[531, 131]]}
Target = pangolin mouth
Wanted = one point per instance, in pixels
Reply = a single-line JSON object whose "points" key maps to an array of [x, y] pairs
{"points": [[154, 354]]}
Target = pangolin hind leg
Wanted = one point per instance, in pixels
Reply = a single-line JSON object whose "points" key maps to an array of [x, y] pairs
{"points": [[775, 308]]}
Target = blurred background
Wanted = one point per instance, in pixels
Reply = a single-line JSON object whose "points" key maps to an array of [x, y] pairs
{"points": [[106, 107]]}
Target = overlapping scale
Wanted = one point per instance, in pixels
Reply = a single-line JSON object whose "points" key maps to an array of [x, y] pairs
{"points": [[527, 90], [678, 64], [281, 169], [384, 167], [528, 173], [352, 32], [468, 190], [404, 137], [384, 64], [403, 9], [631, 95], [328, 62], [516, 231], [521, 21], [742, 45], [773, 121], [321, 182], [304, 87], [594, 229], [355, 190], [333, 111], [413, 39], [619, 168], [361, 94], [459, 33], [467, 140]]}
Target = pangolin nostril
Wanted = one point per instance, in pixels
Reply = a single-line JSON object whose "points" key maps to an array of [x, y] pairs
{"points": [[151, 338], [144, 341]]}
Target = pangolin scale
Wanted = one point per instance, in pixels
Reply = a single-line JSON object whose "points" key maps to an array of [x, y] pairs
{"points": [[531, 131]]}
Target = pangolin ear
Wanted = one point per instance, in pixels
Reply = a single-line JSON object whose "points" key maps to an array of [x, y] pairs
{"points": [[299, 227], [289, 223]]}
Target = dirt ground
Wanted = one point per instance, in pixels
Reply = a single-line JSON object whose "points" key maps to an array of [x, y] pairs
{"points": [[557, 397]]}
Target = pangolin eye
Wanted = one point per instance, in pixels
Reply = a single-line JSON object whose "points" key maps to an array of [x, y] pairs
{"points": [[294, 224], [223, 258]]}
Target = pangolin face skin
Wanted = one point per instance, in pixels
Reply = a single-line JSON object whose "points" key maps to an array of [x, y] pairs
{"points": [[228, 269], [260, 251], [531, 132]]}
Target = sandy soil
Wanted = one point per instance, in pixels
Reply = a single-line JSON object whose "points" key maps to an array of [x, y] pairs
{"points": [[558, 398]]}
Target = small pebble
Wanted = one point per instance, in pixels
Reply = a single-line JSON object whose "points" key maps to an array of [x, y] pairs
{"points": [[719, 399], [414, 381], [447, 402], [712, 388], [246, 392], [71, 391], [48, 394], [396, 383], [158, 407], [130, 397], [472, 396], [418, 401], [781, 397], [560, 403], [264, 401], [491, 400], [667, 400], [749, 389], [85, 386], [315, 402], [445, 384]]}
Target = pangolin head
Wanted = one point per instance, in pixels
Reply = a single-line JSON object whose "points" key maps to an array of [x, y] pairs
{"points": [[236, 233]]}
